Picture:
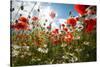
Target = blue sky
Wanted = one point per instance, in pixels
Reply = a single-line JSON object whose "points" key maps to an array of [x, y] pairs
{"points": [[63, 10]]}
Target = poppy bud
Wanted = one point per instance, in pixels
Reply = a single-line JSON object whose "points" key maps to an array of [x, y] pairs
{"points": [[20, 14], [48, 27], [16, 21], [29, 16], [22, 7], [38, 10], [65, 29], [62, 25], [46, 20], [44, 24], [12, 9], [34, 18]]}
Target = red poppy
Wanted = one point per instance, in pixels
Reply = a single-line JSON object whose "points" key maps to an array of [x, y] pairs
{"points": [[21, 26], [34, 18], [52, 14], [89, 28], [90, 21], [55, 32], [23, 19], [81, 9], [13, 26], [55, 42], [68, 37], [90, 25], [71, 21]]}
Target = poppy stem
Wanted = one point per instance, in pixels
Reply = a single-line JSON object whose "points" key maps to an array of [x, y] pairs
{"points": [[32, 8], [18, 11]]}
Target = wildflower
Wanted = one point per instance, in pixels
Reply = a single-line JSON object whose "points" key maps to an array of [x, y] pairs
{"points": [[13, 26], [63, 62], [33, 59], [34, 18], [52, 14], [43, 50], [86, 43], [16, 46], [77, 37], [79, 27], [29, 54], [78, 50], [65, 57], [15, 52], [90, 25], [21, 26], [73, 59], [81, 9], [22, 56], [23, 19], [90, 21], [71, 21], [45, 45], [89, 28], [68, 37], [63, 45], [55, 42], [38, 59], [26, 48], [56, 31]]}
